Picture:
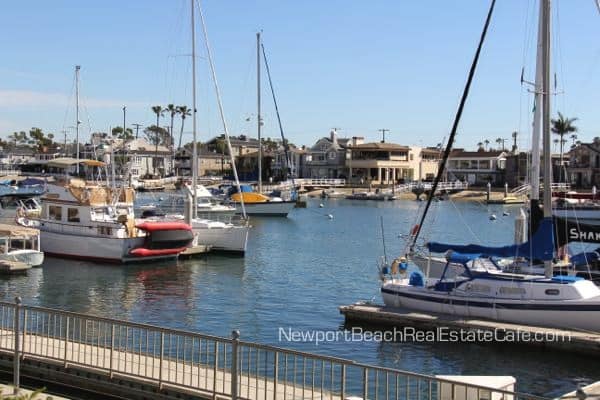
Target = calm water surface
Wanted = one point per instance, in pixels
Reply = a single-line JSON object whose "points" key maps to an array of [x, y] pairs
{"points": [[297, 271]]}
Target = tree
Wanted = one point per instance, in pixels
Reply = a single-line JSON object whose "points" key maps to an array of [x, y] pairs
{"points": [[118, 132], [184, 112], [563, 126], [480, 146], [573, 138], [19, 138], [156, 136], [39, 139], [172, 110], [500, 142], [487, 143], [158, 110], [514, 146]]}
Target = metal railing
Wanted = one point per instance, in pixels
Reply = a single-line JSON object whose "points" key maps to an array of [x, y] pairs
{"points": [[205, 363]]}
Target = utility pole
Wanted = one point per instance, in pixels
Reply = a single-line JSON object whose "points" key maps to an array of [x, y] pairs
{"points": [[137, 129], [383, 131]]}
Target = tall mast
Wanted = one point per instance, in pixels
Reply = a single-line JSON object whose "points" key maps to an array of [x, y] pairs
{"points": [[546, 14], [258, 117], [77, 122], [194, 147], [534, 177]]}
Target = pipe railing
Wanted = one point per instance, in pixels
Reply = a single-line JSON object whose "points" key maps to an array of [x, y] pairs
{"points": [[206, 363]]}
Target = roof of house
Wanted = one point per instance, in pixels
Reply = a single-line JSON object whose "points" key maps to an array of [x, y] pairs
{"points": [[142, 145], [380, 146]]}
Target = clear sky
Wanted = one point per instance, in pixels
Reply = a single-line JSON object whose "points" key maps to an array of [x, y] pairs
{"points": [[359, 66]]}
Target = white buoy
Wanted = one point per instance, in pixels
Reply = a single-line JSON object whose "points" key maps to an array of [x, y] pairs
{"points": [[321, 205], [493, 217], [506, 213], [329, 216]]}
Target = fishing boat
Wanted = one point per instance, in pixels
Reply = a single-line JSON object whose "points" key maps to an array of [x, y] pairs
{"points": [[490, 292], [94, 222], [20, 244]]}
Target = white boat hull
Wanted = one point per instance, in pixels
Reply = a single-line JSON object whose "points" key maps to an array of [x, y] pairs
{"points": [[230, 239], [587, 215], [30, 257], [94, 248], [576, 314], [268, 208]]}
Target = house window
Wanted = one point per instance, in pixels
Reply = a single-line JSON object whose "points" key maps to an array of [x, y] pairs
{"points": [[412, 156], [332, 155], [73, 215], [55, 213]]}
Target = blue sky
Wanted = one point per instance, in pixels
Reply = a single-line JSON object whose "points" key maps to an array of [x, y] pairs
{"points": [[359, 66]]}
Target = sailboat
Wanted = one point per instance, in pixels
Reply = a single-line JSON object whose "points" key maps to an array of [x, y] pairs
{"points": [[488, 291], [257, 203], [218, 235]]}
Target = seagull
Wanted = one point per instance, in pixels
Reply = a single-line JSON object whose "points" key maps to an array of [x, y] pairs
{"points": [[321, 205], [329, 216], [505, 213], [493, 217]]}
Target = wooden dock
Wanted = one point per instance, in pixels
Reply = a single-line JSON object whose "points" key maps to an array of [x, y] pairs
{"points": [[587, 343]]}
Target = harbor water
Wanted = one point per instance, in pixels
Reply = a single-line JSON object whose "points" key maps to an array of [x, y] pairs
{"points": [[296, 273]]}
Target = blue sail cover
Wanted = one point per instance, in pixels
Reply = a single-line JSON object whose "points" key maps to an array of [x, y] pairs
{"points": [[540, 247]]}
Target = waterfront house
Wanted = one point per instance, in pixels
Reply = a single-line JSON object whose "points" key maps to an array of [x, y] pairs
{"points": [[210, 163], [386, 163], [240, 145], [247, 165], [583, 169], [296, 164], [477, 167], [327, 157], [146, 158]]}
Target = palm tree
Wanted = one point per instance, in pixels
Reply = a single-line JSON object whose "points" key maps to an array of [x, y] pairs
{"points": [[555, 144], [480, 146], [573, 138], [184, 111], [487, 143], [514, 137], [561, 127], [500, 141], [158, 110], [172, 110]]}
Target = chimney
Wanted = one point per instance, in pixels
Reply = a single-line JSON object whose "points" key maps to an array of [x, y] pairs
{"points": [[333, 136]]}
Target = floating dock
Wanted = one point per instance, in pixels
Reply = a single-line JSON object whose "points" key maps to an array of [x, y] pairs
{"points": [[587, 343], [13, 267]]}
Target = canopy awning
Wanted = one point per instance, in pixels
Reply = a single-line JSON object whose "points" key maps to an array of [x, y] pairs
{"points": [[65, 162], [17, 231]]}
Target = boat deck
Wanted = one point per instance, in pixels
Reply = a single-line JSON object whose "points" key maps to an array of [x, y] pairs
{"points": [[587, 343]]}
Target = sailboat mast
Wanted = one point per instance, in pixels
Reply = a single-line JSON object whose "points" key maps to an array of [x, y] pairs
{"points": [[546, 14], [194, 146], [534, 177], [77, 122], [258, 117]]}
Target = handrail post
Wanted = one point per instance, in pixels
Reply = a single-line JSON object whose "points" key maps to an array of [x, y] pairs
{"points": [[160, 364], [235, 340], [112, 349], [16, 360], [66, 338]]}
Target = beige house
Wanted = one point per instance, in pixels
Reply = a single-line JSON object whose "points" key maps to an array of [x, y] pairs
{"points": [[210, 163], [385, 163]]}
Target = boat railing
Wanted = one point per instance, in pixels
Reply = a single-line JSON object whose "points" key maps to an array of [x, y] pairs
{"points": [[227, 367]]}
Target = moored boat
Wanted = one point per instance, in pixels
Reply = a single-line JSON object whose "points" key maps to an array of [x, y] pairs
{"points": [[94, 222]]}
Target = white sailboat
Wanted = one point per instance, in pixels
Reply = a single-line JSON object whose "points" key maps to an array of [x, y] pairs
{"points": [[488, 292], [244, 198], [217, 235]]}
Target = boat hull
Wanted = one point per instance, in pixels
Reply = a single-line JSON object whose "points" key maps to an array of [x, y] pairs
{"points": [[267, 208], [94, 248], [565, 314], [232, 239], [30, 257]]}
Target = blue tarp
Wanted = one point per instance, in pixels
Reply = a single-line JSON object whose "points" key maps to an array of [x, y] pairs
{"points": [[31, 182], [462, 258], [540, 247]]}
